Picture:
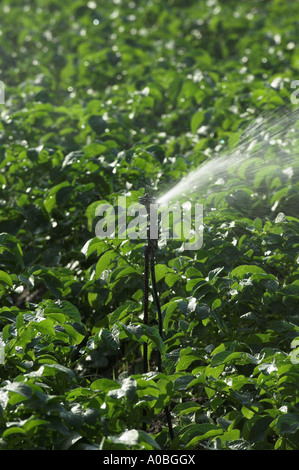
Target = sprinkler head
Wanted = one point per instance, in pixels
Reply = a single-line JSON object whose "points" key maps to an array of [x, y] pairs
{"points": [[152, 227], [146, 200]]}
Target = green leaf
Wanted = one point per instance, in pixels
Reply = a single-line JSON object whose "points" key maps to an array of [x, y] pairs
{"points": [[125, 272], [196, 120], [45, 327], [72, 157], [13, 430], [258, 224], [260, 428], [142, 333], [244, 398], [19, 388], [171, 279], [104, 262], [186, 408], [221, 357], [104, 385], [198, 431], [185, 361], [109, 338], [161, 270], [32, 423], [51, 198], [291, 289], [5, 278], [128, 390], [214, 273], [230, 436], [75, 332], [63, 307], [216, 304], [119, 314], [147, 441], [287, 423], [53, 283], [182, 382], [245, 270], [97, 124], [69, 441], [51, 369]]}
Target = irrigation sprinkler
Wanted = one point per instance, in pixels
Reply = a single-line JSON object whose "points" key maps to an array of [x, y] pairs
{"points": [[149, 267]]}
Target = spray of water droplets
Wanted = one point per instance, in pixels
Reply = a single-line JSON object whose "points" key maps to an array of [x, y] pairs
{"points": [[271, 138]]}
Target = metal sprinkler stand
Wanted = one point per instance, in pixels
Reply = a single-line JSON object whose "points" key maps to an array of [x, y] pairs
{"points": [[149, 265], [149, 259]]}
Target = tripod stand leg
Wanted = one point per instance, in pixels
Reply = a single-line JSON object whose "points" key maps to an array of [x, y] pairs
{"points": [[145, 303], [160, 324]]}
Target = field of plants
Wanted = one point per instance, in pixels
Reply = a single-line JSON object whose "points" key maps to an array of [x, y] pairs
{"points": [[119, 98]]}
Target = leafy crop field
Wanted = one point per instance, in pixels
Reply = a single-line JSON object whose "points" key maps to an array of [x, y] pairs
{"points": [[104, 99]]}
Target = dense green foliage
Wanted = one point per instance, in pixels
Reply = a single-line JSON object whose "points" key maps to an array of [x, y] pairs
{"points": [[103, 101]]}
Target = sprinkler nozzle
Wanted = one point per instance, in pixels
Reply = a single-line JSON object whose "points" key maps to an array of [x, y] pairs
{"points": [[146, 200]]}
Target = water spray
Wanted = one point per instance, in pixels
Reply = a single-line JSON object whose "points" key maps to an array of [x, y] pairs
{"points": [[271, 138], [149, 267]]}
